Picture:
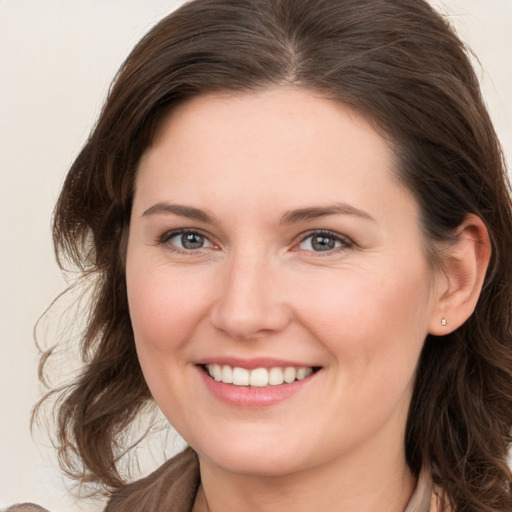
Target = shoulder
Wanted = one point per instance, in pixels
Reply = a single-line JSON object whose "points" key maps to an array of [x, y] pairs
{"points": [[174, 483]]}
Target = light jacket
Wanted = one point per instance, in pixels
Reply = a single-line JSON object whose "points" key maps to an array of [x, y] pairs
{"points": [[173, 488]]}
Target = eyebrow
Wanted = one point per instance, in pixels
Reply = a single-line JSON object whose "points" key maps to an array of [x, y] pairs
{"points": [[314, 212], [290, 217], [177, 209]]}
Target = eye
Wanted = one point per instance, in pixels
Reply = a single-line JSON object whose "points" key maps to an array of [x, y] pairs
{"points": [[323, 241], [187, 240]]}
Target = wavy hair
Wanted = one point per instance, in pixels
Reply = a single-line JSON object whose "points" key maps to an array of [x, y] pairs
{"points": [[399, 64]]}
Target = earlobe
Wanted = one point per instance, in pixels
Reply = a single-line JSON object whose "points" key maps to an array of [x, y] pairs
{"points": [[464, 265]]}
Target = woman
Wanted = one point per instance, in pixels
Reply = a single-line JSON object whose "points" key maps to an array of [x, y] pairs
{"points": [[298, 219]]}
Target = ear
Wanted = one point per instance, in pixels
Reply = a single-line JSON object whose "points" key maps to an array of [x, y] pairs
{"points": [[464, 264]]}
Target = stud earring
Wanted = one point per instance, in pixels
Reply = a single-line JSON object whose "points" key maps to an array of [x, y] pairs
{"points": [[444, 321]]}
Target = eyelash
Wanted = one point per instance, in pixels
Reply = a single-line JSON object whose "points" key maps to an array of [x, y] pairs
{"points": [[344, 241], [164, 240]]}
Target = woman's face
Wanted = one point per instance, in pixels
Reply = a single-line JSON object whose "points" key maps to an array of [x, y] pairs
{"points": [[268, 232]]}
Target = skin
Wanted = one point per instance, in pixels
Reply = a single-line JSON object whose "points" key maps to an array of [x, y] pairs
{"points": [[257, 288]]}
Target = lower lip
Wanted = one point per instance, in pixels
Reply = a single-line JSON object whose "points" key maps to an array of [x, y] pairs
{"points": [[253, 397]]}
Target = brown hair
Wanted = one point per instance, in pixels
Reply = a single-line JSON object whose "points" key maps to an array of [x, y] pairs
{"points": [[398, 63]]}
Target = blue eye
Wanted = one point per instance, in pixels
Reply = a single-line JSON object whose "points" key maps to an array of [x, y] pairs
{"points": [[323, 242], [187, 240]]}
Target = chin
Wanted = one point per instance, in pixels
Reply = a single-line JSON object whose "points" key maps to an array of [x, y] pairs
{"points": [[255, 457], [256, 464]]}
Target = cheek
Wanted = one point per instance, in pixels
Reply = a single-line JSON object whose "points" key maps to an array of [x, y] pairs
{"points": [[165, 309], [370, 320], [164, 306]]}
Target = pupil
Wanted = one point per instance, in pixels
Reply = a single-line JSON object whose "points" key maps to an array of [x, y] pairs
{"points": [[192, 240], [322, 243]]}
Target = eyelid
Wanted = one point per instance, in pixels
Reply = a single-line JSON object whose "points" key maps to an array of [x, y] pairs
{"points": [[166, 236], [347, 242], [344, 239]]}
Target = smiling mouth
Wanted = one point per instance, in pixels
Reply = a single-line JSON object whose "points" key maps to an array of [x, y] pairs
{"points": [[258, 377]]}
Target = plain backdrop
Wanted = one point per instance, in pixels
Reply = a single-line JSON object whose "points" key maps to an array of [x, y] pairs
{"points": [[57, 58]]}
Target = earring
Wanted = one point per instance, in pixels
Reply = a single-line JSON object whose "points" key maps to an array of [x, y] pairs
{"points": [[444, 321]]}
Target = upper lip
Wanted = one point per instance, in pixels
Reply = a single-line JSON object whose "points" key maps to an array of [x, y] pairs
{"points": [[252, 363]]}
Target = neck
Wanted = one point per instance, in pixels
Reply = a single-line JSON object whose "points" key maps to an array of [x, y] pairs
{"points": [[339, 486]]}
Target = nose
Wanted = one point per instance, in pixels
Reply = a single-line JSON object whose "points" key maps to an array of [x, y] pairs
{"points": [[251, 303]]}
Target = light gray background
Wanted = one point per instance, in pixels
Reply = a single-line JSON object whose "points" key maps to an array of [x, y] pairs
{"points": [[57, 58]]}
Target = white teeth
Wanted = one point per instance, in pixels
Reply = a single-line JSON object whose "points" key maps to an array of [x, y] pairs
{"points": [[227, 374], [259, 377], [217, 372], [275, 376], [302, 373], [240, 376], [289, 374]]}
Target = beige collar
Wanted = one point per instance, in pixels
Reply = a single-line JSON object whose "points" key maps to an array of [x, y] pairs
{"points": [[422, 499]]}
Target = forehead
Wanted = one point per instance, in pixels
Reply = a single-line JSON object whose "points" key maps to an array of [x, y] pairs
{"points": [[274, 107], [276, 145]]}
